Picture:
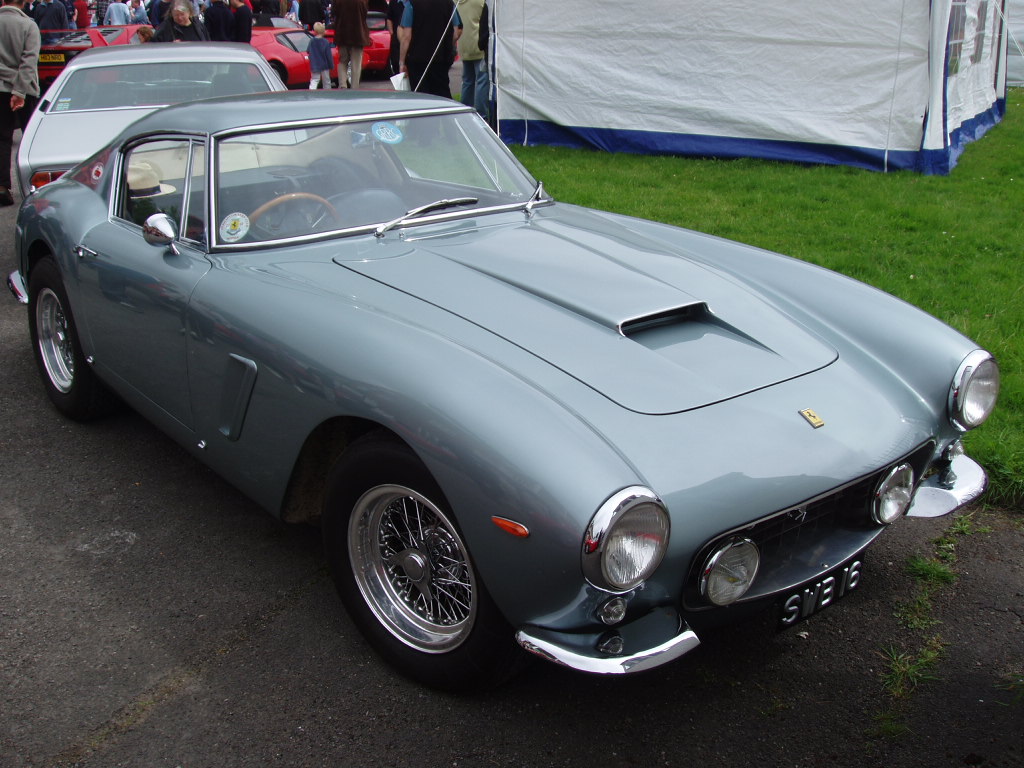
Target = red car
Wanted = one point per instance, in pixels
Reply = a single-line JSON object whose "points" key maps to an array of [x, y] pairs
{"points": [[59, 46], [286, 50], [376, 58]]}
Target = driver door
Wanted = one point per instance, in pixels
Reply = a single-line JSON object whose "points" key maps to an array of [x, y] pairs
{"points": [[136, 294]]}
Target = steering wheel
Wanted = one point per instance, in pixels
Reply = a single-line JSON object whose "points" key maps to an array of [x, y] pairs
{"points": [[320, 210]]}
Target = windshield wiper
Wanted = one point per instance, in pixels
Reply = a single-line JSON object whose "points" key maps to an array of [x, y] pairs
{"points": [[437, 205], [538, 195]]}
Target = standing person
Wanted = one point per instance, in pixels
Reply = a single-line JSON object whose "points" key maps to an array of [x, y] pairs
{"points": [[310, 12], [351, 35], [219, 21], [475, 79], [394, 16], [138, 11], [100, 10], [321, 58], [179, 26], [242, 21], [117, 14], [19, 82], [83, 16], [157, 12], [427, 45], [50, 14]]}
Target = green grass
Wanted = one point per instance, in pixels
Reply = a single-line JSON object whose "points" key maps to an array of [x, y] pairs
{"points": [[952, 245], [905, 671]]}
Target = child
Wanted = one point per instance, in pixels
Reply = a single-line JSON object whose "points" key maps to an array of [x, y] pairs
{"points": [[320, 58]]}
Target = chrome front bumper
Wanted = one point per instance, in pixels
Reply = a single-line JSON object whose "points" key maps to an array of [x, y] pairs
{"points": [[946, 492], [17, 286], [643, 645]]}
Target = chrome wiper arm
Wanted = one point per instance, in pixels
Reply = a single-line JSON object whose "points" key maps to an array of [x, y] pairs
{"points": [[536, 197], [437, 205]]}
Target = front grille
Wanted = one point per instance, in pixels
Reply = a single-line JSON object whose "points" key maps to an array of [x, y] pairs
{"points": [[808, 538]]}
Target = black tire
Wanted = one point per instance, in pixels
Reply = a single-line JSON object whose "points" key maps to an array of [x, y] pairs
{"points": [[70, 383], [282, 73], [453, 638]]}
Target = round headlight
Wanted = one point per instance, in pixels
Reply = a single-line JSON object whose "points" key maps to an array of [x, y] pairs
{"points": [[892, 499], [974, 391], [729, 571], [626, 540]]}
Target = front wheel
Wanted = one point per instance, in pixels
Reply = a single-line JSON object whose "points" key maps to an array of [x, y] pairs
{"points": [[72, 387], [405, 574]]}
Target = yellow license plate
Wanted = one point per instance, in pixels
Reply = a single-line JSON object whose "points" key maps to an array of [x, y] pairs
{"points": [[51, 58]]}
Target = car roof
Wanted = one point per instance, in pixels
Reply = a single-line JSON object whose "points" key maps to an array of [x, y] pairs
{"points": [[225, 114], [156, 52]]}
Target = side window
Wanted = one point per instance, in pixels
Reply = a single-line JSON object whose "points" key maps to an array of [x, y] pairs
{"points": [[154, 176]]}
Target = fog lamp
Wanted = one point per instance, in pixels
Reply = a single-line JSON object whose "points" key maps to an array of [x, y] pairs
{"points": [[892, 499], [729, 571]]}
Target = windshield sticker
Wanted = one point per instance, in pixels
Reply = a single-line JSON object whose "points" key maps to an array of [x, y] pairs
{"points": [[234, 227], [62, 104], [389, 133]]}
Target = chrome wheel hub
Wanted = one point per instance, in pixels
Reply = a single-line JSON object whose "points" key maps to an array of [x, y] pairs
{"points": [[412, 568]]}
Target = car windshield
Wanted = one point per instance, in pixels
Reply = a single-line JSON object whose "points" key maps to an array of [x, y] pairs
{"points": [[297, 182], [155, 84]]}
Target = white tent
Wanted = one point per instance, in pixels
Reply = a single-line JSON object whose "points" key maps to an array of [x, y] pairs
{"points": [[1015, 47], [881, 84]]}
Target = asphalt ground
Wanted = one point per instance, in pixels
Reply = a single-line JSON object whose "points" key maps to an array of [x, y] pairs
{"points": [[150, 615]]}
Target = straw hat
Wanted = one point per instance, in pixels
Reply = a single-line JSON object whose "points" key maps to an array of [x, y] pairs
{"points": [[144, 182]]}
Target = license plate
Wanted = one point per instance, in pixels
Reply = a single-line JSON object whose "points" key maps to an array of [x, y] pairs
{"points": [[51, 58], [815, 596]]}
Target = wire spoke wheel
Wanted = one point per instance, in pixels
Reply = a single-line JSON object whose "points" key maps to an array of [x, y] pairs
{"points": [[412, 568], [55, 341]]}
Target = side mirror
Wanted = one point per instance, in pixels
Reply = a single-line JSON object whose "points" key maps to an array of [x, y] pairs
{"points": [[160, 230]]}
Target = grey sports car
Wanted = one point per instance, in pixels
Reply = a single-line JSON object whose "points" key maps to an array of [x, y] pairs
{"points": [[102, 90], [520, 424]]}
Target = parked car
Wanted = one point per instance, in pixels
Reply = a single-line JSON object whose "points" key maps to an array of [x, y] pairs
{"points": [[376, 57], [102, 90], [61, 46], [287, 50], [521, 424]]}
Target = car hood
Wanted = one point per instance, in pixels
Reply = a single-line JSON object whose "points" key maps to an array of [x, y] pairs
{"points": [[649, 328], [64, 139]]}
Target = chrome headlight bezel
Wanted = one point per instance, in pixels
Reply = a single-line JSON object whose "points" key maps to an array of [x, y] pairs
{"points": [[893, 495], [974, 391], [603, 541]]}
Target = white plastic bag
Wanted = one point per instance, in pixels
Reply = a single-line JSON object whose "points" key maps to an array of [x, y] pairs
{"points": [[400, 81]]}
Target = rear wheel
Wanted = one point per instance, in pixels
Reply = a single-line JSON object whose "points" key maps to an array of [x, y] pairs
{"points": [[405, 574], [69, 382], [281, 72]]}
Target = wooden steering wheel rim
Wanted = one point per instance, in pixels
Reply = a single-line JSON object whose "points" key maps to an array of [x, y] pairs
{"points": [[287, 197]]}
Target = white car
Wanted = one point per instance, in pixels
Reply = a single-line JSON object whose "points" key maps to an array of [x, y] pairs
{"points": [[103, 90]]}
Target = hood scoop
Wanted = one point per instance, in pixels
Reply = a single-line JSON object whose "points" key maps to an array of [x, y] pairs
{"points": [[646, 327]]}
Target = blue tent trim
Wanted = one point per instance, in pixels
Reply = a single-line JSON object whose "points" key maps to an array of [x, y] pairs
{"points": [[540, 132]]}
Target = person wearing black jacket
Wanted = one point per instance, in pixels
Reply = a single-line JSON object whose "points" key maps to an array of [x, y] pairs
{"points": [[179, 26], [427, 40], [243, 21], [219, 21]]}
